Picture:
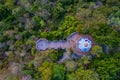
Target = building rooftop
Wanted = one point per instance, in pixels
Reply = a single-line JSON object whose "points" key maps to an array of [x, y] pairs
{"points": [[84, 44], [80, 44]]}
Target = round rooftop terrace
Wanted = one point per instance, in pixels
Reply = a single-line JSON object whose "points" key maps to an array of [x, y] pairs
{"points": [[84, 44]]}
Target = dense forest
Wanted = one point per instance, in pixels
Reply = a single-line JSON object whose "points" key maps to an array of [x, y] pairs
{"points": [[23, 22]]}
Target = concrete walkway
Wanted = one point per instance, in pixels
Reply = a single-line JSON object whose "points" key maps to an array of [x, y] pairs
{"points": [[72, 42]]}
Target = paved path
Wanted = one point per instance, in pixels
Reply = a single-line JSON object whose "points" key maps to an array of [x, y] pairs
{"points": [[71, 43]]}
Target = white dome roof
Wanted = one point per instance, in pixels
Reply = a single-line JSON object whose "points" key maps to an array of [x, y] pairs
{"points": [[84, 44]]}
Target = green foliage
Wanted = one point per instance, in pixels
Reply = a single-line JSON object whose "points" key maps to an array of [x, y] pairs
{"points": [[83, 75], [23, 22], [55, 55], [71, 76], [38, 21], [18, 43], [68, 22], [4, 12], [58, 72], [71, 66], [114, 19], [33, 51], [30, 69], [33, 8], [12, 77], [94, 23], [103, 34], [96, 51], [9, 4], [58, 11], [108, 67], [18, 11], [46, 71], [85, 60], [67, 27], [112, 2], [105, 10], [1, 66], [86, 74]]}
